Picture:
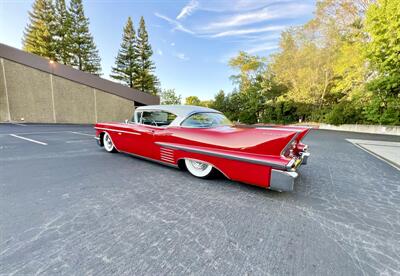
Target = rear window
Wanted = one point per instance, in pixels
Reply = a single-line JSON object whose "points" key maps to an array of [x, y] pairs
{"points": [[206, 119]]}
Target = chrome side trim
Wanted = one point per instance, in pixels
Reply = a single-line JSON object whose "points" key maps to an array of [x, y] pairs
{"points": [[223, 155], [282, 181], [151, 159], [167, 155], [116, 130], [280, 128]]}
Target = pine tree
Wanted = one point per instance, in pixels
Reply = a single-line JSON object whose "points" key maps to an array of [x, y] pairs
{"points": [[84, 53], [126, 60], [62, 32], [39, 33], [144, 80]]}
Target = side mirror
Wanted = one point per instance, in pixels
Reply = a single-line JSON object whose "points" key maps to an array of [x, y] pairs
{"points": [[126, 121]]}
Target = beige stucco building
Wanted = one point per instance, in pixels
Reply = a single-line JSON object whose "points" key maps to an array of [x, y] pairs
{"points": [[34, 89]]}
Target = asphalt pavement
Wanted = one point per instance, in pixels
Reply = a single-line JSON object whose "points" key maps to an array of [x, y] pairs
{"points": [[69, 208]]}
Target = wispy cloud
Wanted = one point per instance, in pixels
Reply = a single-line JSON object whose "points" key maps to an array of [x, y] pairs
{"points": [[262, 48], [288, 10], [188, 9], [172, 44], [181, 56], [177, 26], [159, 52], [236, 32]]}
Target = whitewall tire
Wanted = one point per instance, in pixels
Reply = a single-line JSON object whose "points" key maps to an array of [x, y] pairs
{"points": [[198, 168], [108, 143]]}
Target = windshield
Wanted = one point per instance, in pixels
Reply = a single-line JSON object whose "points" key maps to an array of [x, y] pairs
{"points": [[206, 119]]}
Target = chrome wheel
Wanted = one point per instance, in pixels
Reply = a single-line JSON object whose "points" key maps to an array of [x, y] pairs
{"points": [[107, 142], [198, 168]]}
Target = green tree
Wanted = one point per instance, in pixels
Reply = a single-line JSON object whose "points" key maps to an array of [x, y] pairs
{"points": [[126, 62], [169, 96], [39, 33], [84, 53], [383, 24], [145, 80], [249, 67], [193, 100], [62, 32], [219, 102]]}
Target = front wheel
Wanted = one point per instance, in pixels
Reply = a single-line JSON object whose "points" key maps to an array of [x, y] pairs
{"points": [[198, 168], [108, 143]]}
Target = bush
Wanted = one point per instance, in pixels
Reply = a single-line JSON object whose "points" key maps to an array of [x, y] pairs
{"points": [[345, 112], [384, 111]]}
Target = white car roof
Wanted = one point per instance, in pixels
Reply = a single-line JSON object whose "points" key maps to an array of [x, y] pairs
{"points": [[178, 110], [181, 111]]}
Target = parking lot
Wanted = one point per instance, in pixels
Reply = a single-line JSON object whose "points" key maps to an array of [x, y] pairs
{"points": [[68, 207]]}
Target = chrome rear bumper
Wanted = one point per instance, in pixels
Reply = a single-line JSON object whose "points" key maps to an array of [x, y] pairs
{"points": [[283, 181], [304, 157]]}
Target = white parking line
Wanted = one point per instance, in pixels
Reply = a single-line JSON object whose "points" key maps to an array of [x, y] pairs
{"points": [[27, 139], [81, 133], [18, 124], [32, 133]]}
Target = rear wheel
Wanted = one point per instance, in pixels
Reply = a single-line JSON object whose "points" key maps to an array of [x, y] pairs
{"points": [[198, 168], [108, 143]]}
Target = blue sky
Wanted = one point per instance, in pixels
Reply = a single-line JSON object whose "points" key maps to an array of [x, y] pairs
{"points": [[192, 40]]}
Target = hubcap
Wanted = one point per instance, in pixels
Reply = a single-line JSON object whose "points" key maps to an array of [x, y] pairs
{"points": [[199, 165], [198, 168], [107, 142]]}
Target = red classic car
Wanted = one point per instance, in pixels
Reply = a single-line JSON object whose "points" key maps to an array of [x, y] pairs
{"points": [[204, 141]]}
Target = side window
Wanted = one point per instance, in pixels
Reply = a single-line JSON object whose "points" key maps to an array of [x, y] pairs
{"points": [[137, 117], [157, 118]]}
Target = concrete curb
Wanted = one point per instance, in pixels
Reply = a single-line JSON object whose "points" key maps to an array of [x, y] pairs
{"points": [[373, 129]]}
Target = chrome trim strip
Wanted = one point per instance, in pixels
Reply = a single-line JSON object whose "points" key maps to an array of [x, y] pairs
{"points": [[167, 156], [280, 128], [167, 151], [282, 181], [223, 155], [168, 160], [151, 159], [116, 130], [291, 162]]}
